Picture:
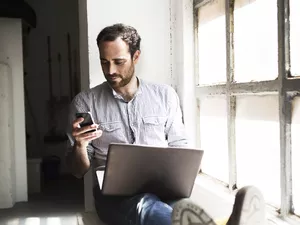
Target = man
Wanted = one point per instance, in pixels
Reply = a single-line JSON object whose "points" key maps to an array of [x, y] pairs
{"points": [[128, 110]]}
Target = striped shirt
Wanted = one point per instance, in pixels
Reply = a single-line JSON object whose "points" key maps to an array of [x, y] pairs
{"points": [[152, 117]]}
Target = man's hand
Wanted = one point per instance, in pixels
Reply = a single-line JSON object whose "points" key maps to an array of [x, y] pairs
{"points": [[78, 160], [82, 135]]}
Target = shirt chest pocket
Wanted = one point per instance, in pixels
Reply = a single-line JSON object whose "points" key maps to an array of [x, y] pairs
{"points": [[111, 132], [110, 126], [155, 125]]}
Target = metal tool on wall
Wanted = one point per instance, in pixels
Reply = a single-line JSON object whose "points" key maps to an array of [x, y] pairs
{"points": [[77, 84], [71, 84], [34, 122], [51, 97], [59, 77], [54, 104]]}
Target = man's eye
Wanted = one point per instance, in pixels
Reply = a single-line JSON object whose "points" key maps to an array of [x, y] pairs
{"points": [[119, 62], [103, 62]]}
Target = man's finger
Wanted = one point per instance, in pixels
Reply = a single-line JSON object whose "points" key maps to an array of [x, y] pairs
{"points": [[77, 122], [84, 130], [86, 135], [90, 139], [89, 136], [94, 135], [87, 129]]}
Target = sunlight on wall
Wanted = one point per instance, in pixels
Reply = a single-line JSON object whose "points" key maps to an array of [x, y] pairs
{"points": [[13, 222], [33, 221], [53, 220], [41, 221]]}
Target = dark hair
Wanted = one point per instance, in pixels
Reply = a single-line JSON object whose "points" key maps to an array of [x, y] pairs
{"points": [[126, 33]]}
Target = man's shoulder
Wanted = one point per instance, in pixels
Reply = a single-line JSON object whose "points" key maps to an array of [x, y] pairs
{"points": [[157, 87], [104, 87], [87, 95]]}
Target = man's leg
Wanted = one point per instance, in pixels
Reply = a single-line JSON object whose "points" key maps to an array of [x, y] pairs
{"points": [[108, 208], [248, 209], [152, 211], [144, 209]]}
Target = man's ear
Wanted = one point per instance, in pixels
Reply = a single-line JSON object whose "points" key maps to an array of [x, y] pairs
{"points": [[136, 56]]}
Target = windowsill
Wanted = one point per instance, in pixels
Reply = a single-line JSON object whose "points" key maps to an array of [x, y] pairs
{"points": [[217, 200]]}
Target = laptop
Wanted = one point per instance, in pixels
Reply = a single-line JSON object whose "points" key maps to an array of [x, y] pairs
{"points": [[167, 172]]}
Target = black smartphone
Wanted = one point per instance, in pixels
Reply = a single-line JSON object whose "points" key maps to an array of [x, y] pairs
{"points": [[88, 119]]}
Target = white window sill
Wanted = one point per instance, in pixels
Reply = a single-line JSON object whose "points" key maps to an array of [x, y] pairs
{"points": [[217, 200]]}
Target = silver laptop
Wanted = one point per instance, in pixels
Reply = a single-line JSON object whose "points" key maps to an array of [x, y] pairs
{"points": [[132, 169]]}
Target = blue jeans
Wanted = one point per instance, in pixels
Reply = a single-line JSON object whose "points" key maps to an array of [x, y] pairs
{"points": [[143, 209]]}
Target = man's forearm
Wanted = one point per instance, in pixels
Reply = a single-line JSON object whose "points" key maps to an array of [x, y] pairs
{"points": [[78, 161]]}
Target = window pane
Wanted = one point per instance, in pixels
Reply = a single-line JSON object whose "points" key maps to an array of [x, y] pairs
{"points": [[212, 43], [296, 153], [295, 37], [213, 137], [257, 145], [255, 40]]}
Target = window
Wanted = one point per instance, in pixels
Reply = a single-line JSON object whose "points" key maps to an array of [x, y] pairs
{"points": [[296, 152], [212, 43], [257, 143], [249, 115], [213, 136], [255, 40]]}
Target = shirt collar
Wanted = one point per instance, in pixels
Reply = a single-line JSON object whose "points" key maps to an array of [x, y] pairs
{"points": [[139, 91]]}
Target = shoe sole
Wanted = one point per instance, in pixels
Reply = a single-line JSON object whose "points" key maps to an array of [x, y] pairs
{"points": [[185, 212], [249, 208]]}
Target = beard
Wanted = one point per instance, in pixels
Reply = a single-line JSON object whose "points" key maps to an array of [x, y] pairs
{"points": [[123, 80]]}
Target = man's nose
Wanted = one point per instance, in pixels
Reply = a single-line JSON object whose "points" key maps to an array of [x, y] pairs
{"points": [[112, 69]]}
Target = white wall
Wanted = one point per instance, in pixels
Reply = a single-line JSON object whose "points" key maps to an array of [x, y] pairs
{"points": [[183, 64], [11, 55], [7, 175], [152, 21]]}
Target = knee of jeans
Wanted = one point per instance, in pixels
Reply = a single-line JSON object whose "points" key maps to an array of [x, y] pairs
{"points": [[150, 196], [154, 211], [147, 199]]}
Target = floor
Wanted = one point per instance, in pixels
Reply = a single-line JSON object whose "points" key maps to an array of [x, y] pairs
{"points": [[61, 203]]}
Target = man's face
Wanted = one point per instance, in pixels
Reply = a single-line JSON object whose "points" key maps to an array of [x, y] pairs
{"points": [[117, 64]]}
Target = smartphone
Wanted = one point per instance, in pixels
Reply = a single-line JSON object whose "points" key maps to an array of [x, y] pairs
{"points": [[88, 119]]}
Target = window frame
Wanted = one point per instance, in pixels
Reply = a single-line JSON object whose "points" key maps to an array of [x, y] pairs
{"points": [[285, 86]]}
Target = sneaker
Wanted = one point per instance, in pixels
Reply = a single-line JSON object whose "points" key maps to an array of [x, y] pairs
{"points": [[249, 208], [185, 212]]}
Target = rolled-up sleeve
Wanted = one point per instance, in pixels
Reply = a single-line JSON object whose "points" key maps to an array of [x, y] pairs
{"points": [[175, 130]]}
